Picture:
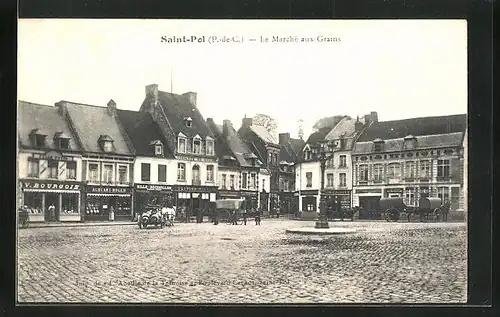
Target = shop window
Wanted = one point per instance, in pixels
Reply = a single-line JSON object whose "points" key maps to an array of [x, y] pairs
{"points": [[210, 147], [107, 176], [70, 204], [33, 202], [181, 146], [363, 173], [342, 179], [145, 172], [425, 169], [378, 173], [443, 168], [231, 182], [181, 171], [309, 204], [71, 170], [33, 167], [343, 161], [162, 173], [244, 180], [53, 169], [309, 176], [223, 181], [394, 171], [210, 173], [329, 180], [253, 181], [122, 174], [123, 206], [93, 173], [443, 194]]}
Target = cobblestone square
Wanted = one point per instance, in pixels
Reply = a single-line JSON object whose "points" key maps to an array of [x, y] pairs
{"points": [[188, 263]]}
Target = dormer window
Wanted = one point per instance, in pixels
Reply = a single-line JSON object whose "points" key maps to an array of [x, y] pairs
{"points": [[106, 143], [210, 146], [158, 147], [378, 145], [181, 143], [37, 138], [410, 142], [61, 140], [197, 145], [188, 121]]}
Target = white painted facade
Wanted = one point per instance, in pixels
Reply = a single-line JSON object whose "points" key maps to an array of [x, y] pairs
{"points": [[302, 170]]}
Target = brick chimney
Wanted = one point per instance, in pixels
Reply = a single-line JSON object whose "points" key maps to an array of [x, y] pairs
{"points": [[246, 122], [358, 125], [192, 97], [374, 116], [226, 125], [152, 91], [112, 108], [284, 138], [367, 118]]}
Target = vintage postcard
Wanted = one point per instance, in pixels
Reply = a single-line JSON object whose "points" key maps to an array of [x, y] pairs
{"points": [[242, 161]]}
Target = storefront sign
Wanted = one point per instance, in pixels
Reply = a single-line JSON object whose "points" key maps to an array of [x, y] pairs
{"points": [[53, 156], [366, 191], [308, 192], [336, 192], [229, 193], [152, 187], [50, 185], [249, 194], [197, 159], [108, 190], [394, 190], [193, 189]]}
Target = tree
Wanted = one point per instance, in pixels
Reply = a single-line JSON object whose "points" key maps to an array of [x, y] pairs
{"points": [[266, 121], [327, 122]]}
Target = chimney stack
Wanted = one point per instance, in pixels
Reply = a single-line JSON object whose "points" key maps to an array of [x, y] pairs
{"points": [[152, 91], [246, 122], [62, 106], [226, 125], [112, 108], [192, 97], [284, 138], [374, 116], [367, 118]]}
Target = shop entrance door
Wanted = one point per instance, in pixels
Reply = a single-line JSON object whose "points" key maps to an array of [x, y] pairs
{"points": [[51, 200]]}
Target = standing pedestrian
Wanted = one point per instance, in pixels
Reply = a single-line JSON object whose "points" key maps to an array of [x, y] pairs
{"points": [[257, 217], [52, 212]]}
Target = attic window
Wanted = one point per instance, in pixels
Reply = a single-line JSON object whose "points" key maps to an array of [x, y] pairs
{"points": [[106, 143], [158, 149], [37, 138], [410, 142], [378, 145], [61, 140], [188, 121]]}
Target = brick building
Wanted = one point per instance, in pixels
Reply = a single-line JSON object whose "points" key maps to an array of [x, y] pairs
{"points": [[267, 149], [239, 168], [410, 158], [49, 164], [188, 137]]}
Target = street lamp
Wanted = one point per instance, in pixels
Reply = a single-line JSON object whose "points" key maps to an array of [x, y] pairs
{"points": [[323, 157]]}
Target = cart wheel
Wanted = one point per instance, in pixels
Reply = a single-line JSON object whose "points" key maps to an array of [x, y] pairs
{"points": [[437, 213], [144, 225], [392, 215], [239, 221]]}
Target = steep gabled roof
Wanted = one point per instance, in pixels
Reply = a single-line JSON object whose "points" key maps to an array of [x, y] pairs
{"points": [[178, 108], [143, 132], [90, 122], [262, 133], [47, 120], [396, 129]]}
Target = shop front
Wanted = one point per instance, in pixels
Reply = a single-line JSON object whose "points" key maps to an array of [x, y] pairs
{"points": [[103, 203], [228, 194], [51, 201], [152, 195], [251, 198], [288, 203], [274, 202], [192, 199], [336, 201], [264, 202], [369, 201], [309, 204]]}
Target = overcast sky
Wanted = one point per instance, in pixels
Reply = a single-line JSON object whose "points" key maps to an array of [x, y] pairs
{"points": [[400, 69]]}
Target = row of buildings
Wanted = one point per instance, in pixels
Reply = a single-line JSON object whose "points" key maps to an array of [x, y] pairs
{"points": [[88, 160]]}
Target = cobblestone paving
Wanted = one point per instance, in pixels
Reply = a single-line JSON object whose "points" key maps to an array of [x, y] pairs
{"points": [[381, 263]]}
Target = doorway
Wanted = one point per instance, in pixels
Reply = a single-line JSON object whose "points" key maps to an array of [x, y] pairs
{"points": [[51, 200], [370, 207]]}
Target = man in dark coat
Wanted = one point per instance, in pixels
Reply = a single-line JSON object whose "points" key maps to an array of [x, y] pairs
{"points": [[257, 217]]}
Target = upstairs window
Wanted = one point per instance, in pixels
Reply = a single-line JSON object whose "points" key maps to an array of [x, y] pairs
{"points": [[122, 174], [196, 146], [329, 180], [223, 181], [253, 181], [33, 167], [106, 143], [181, 171], [188, 121], [181, 146], [378, 145], [71, 170], [93, 175], [309, 176], [363, 173], [378, 173], [231, 182], [394, 171], [410, 170], [343, 161], [307, 155], [37, 138], [158, 149], [107, 176], [162, 173], [244, 180], [210, 147], [342, 179], [425, 169], [286, 185], [210, 173], [443, 168], [61, 140], [145, 172], [53, 169]]}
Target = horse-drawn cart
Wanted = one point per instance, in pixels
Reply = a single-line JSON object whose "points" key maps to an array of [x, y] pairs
{"points": [[229, 210], [429, 206], [392, 207]]}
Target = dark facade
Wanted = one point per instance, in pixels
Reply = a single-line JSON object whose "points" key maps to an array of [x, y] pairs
{"points": [[289, 151]]}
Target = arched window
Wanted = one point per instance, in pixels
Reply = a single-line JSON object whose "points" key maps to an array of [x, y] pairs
{"points": [[196, 175]]}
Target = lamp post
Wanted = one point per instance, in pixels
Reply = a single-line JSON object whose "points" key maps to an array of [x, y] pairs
{"points": [[322, 222]]}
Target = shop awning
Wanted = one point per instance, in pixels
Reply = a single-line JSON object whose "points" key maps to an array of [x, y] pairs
{"points": [[107, 194]]}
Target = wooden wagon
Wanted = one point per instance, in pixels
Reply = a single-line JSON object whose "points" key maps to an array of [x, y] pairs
{"points": [[392, 207], [230, 210], [430, 207]]}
